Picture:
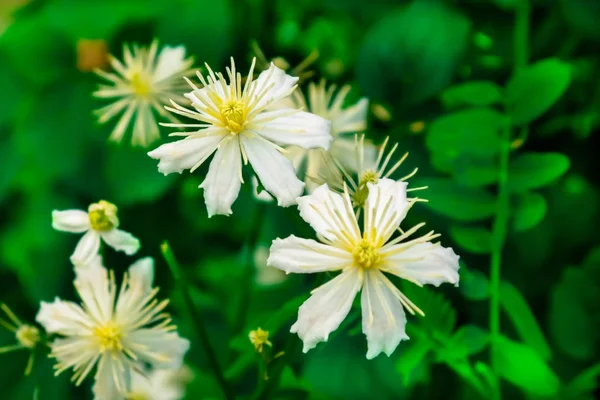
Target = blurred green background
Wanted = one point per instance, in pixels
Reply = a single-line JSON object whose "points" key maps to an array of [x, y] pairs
{"points": [[439, 75]]}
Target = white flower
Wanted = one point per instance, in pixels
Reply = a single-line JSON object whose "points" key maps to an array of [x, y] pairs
{"points": [[158, 384], [235, 124], [100, 222], [362, 258], [141, 86], [113, 329]]}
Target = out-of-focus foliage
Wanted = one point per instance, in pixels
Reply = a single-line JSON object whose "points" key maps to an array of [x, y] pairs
{"points": [[442, 73]]}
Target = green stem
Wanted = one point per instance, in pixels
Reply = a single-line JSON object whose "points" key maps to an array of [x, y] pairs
{"points": [[197, 319], [502, 206]]}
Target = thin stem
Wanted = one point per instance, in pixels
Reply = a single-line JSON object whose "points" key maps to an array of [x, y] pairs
{"points": [[197, 319], [502, 206]]}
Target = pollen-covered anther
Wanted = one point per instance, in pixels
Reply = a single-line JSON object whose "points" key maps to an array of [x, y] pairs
{"points": [[140, 84], [28, 336], [109, 337], [366, 254], [234, 114], [259, 338], [103, 216]]}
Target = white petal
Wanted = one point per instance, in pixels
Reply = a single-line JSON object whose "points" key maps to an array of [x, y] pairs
{"points": [[77, 352], [300, 128], [70, 221], [64, 317], [121, 241], [160, 348], [297, 255], [141, 273], [385, 208], [186, 153], [351, 119], [383, 318], [145, 128], [263, 195], [296, 155], [86, 249], [140, 278], [170, 61], [97, 292], [112, 380], [422, 263], [222, 183], [276, 173], [343, 149], [280, 82], [330, 215], [325, 310]]}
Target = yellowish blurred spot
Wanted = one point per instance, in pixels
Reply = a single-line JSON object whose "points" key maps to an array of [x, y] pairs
{"points": [[417, 127], [91, 54], [259, 338], [381, 112], [518, 142]]}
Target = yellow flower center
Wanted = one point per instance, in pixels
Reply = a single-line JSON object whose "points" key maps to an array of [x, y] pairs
{"points": [[103, 216], [28, 335], [109, 336], [137, 396], [365, 254], [234, 114], [259, 338], [360, 196], [140, 83]]}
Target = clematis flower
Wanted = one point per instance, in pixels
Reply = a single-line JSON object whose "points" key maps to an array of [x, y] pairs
{"points": [[99, 222], [235, 123], [140, 87], [112, 330], [363, 259]]}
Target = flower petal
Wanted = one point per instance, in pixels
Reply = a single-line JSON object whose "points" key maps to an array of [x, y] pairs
{"points": [[343, 149], [293, 128], [186, 153], [64, 317], [351, 119], [263, 195], [169, 62], [330, 215], [75, 221], [383, 318], [86, 249], [121, 241], [145, 128], [280, 84], [158, 347], [97, 292], [385, 208], [276, 173], [325, 310], [297, 255], [113, 378], [222, 183], [422, 263], [141, 273]]}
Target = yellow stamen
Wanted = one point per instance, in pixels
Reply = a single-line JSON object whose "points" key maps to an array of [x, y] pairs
{"points": [[259, 338], [234, 113], [366, 254], [140, 84], [103, 216], [109, 337], [28, 336]]}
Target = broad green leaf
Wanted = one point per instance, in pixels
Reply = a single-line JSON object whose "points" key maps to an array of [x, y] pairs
{"points": [[476, 173], [440, 317], [518, 311], [474, 285], [534, 170], [474, 93], [467, 341], [534, 89], [474, 131], [413, 355], [457, 202], [132, 177], [573, 302], [475, 239], [529, 210], [413, 52], [522, 366]]}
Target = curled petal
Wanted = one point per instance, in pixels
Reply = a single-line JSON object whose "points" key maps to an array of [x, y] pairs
{"points": [[86, 249], [383, 318], [276, 173], [423, 263], [121, 241], [222, 183], [186, 153], [298, 255], [75, 221], [325, 310]]}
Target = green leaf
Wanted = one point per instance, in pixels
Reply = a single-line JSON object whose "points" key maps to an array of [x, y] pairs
{"points": [[414, 50], [467, 341], [534, 89], [536, 170], [583, 384], [474, 285], [523, 367], [133, 177], [460, 203], [413, 356], [518, 311], [475, 239], [473, 132], [529, 211], [474, 93], [440, 317]]}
